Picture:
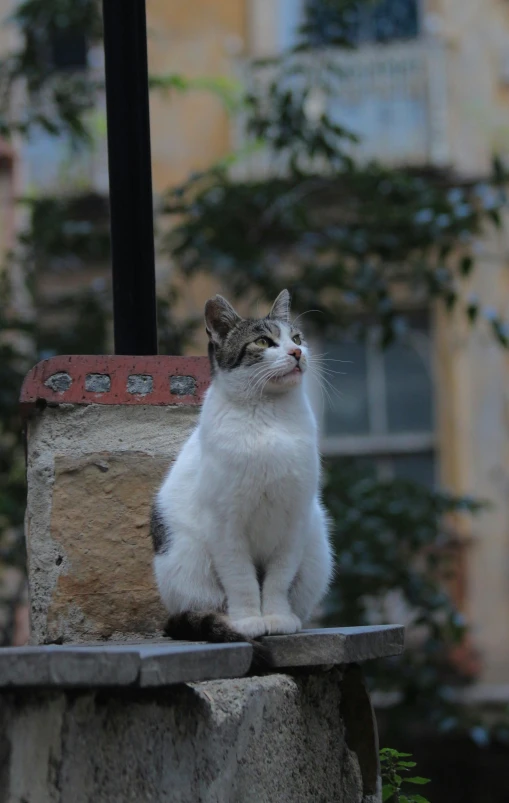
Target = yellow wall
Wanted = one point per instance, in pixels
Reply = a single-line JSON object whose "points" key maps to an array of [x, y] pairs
{"points": [[477, 36], [195, 38]]}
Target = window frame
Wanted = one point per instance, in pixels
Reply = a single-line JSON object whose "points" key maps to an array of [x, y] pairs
{"points": [[289, 14], [379, 443]]}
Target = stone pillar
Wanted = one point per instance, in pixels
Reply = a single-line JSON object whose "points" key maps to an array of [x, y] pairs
{"points": [[101, 433]]}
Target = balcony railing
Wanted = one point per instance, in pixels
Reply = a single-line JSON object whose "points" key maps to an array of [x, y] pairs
{"points": [[394, 97]]}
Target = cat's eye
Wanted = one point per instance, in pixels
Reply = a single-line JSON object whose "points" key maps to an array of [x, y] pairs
{"points": [[297, 340], [263, 342]]}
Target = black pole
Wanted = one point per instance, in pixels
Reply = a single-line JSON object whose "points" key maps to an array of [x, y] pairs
{"points": [[132, 225]]}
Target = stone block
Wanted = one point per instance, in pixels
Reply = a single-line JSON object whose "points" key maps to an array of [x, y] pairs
{"points": [[167, 664], [75, 667], [101, 433], [336, 645], [145, 664], [273, 739]]}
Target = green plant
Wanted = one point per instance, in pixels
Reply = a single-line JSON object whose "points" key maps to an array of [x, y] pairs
{"points": [[392, 542], [58, 102], [394, 765]]}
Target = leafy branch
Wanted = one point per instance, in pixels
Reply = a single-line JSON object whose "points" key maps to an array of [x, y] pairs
{"points": [[394, 766]]}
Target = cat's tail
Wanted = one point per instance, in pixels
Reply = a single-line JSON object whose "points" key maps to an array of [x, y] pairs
{"points": [[214, 627]]}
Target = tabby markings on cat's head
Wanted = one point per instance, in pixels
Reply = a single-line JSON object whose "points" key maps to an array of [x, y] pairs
{"points": [[265, 355]]}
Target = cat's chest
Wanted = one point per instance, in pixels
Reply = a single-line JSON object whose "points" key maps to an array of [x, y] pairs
{"points": [[269, 469], [261, 456], [266, 449]]}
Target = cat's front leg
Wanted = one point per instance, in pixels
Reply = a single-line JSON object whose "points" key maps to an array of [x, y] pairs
{"points": [[237, 575], [277, 612]]}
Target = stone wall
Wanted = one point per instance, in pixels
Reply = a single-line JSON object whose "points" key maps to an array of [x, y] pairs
{"points": [[274, 739]]}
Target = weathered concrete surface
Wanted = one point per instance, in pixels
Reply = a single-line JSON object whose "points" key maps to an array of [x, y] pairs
{"points": [[92, 472], [151, 663], [273, 739], [73, 666], [146, 664], [336, 645]]}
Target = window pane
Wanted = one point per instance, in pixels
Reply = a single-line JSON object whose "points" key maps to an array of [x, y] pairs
{"points": [[395, 19], [388, 20], [328, 24], [347, 408], [408, 386], [69, 50], [419, 468], [290, 19]]}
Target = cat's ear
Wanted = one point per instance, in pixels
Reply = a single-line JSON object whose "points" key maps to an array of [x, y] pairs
{"points": [[220, 318], [281, 308]]}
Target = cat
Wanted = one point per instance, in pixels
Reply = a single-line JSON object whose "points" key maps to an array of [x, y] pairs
{"points": [[240, 535]]}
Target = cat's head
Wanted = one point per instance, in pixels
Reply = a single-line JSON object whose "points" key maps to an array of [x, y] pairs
{"points": [[255, 356]]}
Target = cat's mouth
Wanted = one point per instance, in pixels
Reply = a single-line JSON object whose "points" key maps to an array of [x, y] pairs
{"points": [[293, 375]]}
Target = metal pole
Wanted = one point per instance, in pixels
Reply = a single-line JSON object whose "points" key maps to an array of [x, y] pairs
{"points": [[132, 225]]}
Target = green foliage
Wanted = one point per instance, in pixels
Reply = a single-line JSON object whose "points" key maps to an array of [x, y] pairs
{"points": [[16, 358], [394, 766], [352, 240], [355, 234], [226, 89], [73, 230], [174, 334], [395, 552], [13, 362], [60, 101], [57, 100]]}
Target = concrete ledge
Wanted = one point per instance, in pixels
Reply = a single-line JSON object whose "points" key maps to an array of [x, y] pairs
{"points": [[121, 665], [154, 663], [167, 664], [336, 645]]}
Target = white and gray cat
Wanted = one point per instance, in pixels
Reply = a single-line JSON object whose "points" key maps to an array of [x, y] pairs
{"points": [[240, 534]]}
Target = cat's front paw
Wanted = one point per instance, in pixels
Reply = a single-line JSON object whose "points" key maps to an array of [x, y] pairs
{"points": [[250, 626], [282, 624]]}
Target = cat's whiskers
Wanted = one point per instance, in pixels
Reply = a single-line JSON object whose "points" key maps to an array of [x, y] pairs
{"points": [[325, 358], [325, 384], [258, 376], [324, 368], [271, 374], [333, 389], [259, 379], [324, 390]]}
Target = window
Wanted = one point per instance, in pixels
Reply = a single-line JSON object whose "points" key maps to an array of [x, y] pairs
{"points": [[387, 21], [290, 17], [380, 409], [69, 50]]}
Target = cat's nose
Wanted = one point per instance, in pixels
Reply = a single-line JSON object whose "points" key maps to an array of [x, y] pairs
{"points": [[297, 353]]}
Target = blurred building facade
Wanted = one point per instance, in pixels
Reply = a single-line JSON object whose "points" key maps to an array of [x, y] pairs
{"points": [[432, 87]]}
